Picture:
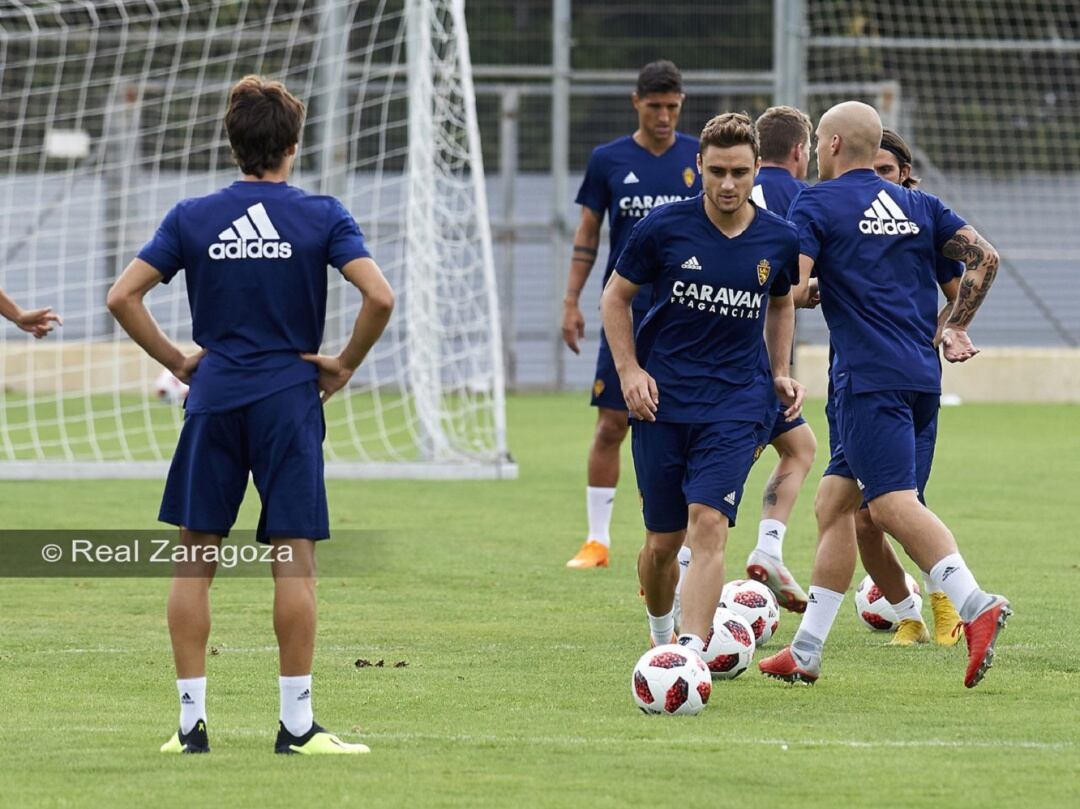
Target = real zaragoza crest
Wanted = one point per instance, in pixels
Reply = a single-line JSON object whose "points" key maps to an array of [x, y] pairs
{"points": [[688, 176], [763, 270]]}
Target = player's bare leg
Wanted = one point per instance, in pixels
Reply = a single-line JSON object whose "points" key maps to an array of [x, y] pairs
{"points": [[930, 543], [658, 572], [603, 476], [838, 498], [189, 630], [706, 536], [797, 448], [884, 567], [295, 610]]}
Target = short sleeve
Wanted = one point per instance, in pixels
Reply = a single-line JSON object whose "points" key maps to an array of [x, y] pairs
{"points": [[345, 242], [946, 222], [640, 262], [164, 251], [789, 273], [804, 214], [595, 193], [947, 269]]}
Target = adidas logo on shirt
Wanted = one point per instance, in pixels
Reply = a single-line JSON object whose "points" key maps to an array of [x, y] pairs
{"points": [[253, 235], [729, 498], [630, 179], [691, 264], [884, 218]]}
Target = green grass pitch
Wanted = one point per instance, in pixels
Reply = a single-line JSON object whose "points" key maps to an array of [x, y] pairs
{"points": [[517, 689]]}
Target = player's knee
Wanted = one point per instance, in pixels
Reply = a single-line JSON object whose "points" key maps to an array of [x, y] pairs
{"points": [[797, 447], [887, 511], [611, 427], [661, 549], [707, 529]]}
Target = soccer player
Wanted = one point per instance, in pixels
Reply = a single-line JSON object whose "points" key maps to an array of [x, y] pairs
{"points": [[894, 163], [886, 375], [256, 254], [624, 179], [697, 382], [784, 138], [38, 322]]}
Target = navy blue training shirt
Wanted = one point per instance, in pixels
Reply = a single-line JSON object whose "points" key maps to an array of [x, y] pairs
{"points": [[775, 188], [874, 245], [702, 341], [626, 181], [256, 255]]}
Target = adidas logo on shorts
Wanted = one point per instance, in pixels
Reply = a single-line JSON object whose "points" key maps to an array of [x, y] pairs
{"points": [[252, 235], [729, 498], [884, 218]]}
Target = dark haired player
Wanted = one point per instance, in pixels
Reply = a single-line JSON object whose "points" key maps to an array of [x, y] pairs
{"points": [[255, 254], [885, 375], [625, 179], [698, 383]]}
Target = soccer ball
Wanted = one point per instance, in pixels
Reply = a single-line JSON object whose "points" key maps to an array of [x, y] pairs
{"points": [[671, 679], [754, 602], [169, 389], [729, 646], [874, 609]]}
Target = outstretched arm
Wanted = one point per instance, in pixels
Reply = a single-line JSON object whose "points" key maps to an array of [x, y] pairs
{"points": [[779, 334], [335, 372], [981, 261], [638, 388], [125, 301], [37, 322], [586, 242]]}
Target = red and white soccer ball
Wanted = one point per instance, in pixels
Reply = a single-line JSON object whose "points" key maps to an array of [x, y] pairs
{"points": [[169, 389], [754, 602], [730, 645], [874, 609], [671, 679]]}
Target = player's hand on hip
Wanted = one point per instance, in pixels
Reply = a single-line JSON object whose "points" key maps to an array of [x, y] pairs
{"points": [[957, 344], [186, 369], [38, 322], [333, 374], [791, 393], [641, 396], [573, 326]]}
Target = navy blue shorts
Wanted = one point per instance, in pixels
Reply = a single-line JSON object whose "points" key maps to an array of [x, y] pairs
{"points": [[679, 464], [606, 388], [887, 439], [279, 441], [838, 464], [779, 426]]}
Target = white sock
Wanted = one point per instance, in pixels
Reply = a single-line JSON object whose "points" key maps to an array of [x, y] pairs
{"points": [[684, 563], [661, 627], [951, 575], [296, 713], [600, 500], [692, 642], [192, 692], [928, 586], [906, 609], [770, 538], [821, 609]]}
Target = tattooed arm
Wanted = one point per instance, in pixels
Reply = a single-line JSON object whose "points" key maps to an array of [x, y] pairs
{"points": [[949, 290], [980, 260], [586, 240]]}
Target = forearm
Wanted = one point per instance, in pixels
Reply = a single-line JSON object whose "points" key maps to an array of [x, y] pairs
{"points": [[981, 261], [369, 326], [135, 319], [779, 334], [586, 243], [8, 308], [619, 331]]}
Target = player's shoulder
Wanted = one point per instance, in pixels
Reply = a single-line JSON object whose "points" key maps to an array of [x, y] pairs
{"points": [[686, 142], [669, 216], [613, 149], [778, 226]]}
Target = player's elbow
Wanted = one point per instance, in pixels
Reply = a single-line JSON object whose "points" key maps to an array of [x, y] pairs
{"points": [[381, 299], [118, 299]]}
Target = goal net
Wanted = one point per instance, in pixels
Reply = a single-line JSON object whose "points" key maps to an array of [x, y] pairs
{"points": [[112, 112]]}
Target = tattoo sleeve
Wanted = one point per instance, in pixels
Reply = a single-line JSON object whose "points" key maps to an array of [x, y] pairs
{"points": [[981, 261]]}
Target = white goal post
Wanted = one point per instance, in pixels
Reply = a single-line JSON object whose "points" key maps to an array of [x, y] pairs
{"points": [[113, 112]]}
